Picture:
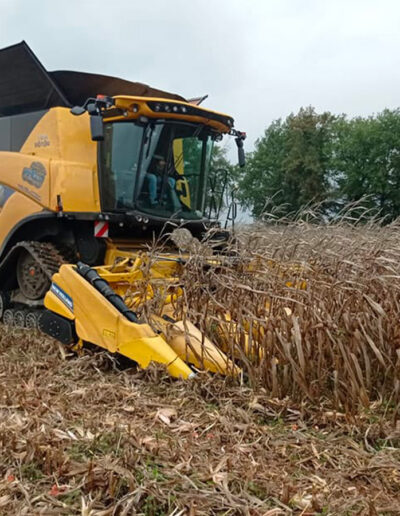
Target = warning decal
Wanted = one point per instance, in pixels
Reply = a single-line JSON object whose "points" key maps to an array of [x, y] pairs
{"points": [[101, 229]]}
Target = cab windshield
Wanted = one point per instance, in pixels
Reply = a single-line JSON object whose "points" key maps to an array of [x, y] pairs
{"points": [[159, 168]]}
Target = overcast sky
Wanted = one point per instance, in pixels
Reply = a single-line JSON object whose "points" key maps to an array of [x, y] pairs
{"points": [[257, 59]]}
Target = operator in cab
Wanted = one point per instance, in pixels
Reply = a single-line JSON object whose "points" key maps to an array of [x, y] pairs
{"points": [[158, 174]]}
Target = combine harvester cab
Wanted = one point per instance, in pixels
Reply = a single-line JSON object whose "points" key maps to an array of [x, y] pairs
{"points": [[93, 169]]}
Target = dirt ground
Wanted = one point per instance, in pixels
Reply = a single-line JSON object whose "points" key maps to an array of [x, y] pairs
{"points": [[80, 436]]}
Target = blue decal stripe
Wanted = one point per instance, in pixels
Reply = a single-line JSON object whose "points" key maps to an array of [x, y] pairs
{"points": [[63, 296]]}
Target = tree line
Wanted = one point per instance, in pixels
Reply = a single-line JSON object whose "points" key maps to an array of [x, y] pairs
{"points": [[321, 158]]}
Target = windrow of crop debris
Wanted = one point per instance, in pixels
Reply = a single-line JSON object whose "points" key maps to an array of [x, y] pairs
{"points": [[309, 311]]}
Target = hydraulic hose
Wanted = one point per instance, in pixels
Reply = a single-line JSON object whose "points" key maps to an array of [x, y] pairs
{"points": [[104, 288]]}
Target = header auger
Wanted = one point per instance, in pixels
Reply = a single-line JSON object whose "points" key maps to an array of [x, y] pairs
{"points": [[92, 169]]}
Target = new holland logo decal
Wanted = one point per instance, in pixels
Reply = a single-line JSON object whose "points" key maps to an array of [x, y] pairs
{"points": [[35, 174], [62, 296]]}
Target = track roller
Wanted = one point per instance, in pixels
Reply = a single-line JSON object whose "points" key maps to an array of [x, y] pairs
{"points": [[32, 320], [8, 317], [19, 318]]}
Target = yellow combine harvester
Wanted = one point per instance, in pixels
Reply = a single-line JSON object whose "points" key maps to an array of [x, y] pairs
{"points": [[92, 168]]}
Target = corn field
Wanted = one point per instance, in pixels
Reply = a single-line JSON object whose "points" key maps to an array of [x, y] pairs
{"points": [[309, 311]]}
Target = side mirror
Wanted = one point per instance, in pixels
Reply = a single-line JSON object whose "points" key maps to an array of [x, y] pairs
{"points": [[234, 210], [96, 128], [92, 108], [241, 155], [232, 213], [77, 110]]}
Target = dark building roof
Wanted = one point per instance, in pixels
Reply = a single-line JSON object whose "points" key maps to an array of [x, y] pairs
{"points": [[26, 86]]}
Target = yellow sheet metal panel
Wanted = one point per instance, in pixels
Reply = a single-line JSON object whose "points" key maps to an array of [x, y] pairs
{"points": [[153, 349], [61, 142], [59, 134], [75, 177], [76, 144], [44, 139], [29, 175], [195, 348], [17, 208], [99, 322], [76, 183], [54, 302]]}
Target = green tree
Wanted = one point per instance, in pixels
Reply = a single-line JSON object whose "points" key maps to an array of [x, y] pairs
{"points": [[219, 158], [367, 162], [290, 166]]}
